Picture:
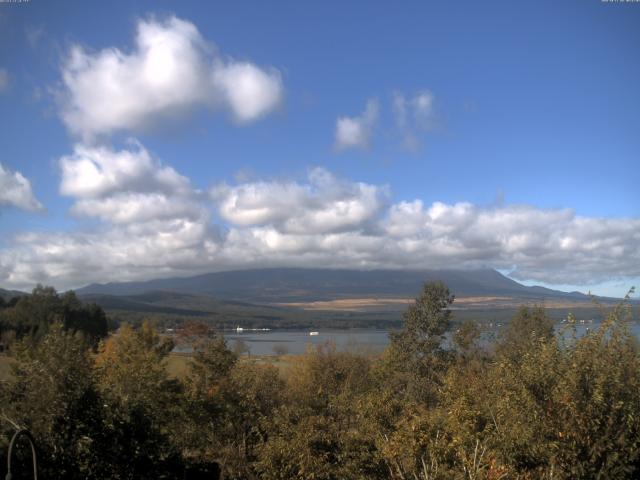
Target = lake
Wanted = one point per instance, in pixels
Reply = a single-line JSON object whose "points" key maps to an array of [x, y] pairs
{"points": [[295, 342], [361, 340]]}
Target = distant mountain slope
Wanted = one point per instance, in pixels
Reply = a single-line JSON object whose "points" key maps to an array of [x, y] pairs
{"points": [[301, 284], [174, 307], [9, 294]]}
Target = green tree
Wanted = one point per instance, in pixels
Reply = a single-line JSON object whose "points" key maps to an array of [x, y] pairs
{"points": [[89, 319], [249, 398], [527, 325], [466, 336], [212, 361], [208, 377], [51, 392], [32, 315], [597, 404], [322, 421], [415, 359], [145, 406]]}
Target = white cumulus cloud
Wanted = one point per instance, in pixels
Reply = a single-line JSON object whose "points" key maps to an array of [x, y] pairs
{"points": [[96, 171], [171, 70], [125, 186], [137, 207], [153, 223], [15, 191], [356, 132], [249, 91], [322, 204]]}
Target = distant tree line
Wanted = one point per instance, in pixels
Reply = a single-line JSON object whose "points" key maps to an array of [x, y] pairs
{"points": [[31, 316], [538, 404]]}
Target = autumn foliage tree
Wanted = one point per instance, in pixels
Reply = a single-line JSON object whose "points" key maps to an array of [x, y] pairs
{"points": [[144, 403]]}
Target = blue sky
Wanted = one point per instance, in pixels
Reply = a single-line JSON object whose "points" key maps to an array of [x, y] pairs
{"points": [[466, 134]]}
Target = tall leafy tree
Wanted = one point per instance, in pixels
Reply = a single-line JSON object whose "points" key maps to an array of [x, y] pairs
{"points": [[415, 359], [144, 404], [52, 393]]}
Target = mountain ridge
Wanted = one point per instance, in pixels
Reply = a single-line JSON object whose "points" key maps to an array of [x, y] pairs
{"points": [[9, 294], [270, 285]]}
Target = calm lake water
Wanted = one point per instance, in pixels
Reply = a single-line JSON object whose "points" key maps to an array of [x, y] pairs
{"points": [[296, 341], [359, 340]]}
